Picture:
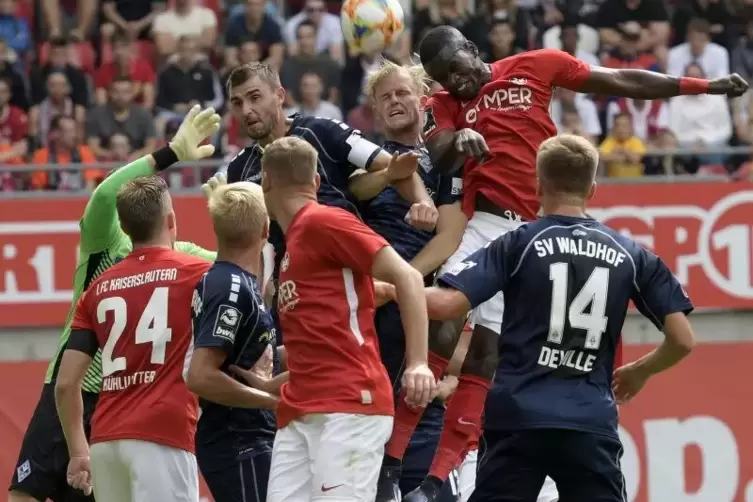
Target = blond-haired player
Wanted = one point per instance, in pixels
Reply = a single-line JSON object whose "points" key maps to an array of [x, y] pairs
{"points": [[232, 332], [567, 282]]}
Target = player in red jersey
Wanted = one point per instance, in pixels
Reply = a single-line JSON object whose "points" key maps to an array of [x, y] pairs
{"points": [[335, 412], [491, 119], [138, 312]]}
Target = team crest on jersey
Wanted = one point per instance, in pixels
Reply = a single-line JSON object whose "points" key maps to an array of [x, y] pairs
{"points": [[227, 322], [430, 122], [425, 162], [285, 263]]}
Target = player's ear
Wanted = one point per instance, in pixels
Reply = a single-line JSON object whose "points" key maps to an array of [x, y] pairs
{"points": [[538, 187], [280, 93], [265, 230], [591, 191], [422, 101], [317, 180]]}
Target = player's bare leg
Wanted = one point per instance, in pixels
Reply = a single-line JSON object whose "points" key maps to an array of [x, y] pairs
{"points": [[464, 411], [443, 339], [15, 496]]}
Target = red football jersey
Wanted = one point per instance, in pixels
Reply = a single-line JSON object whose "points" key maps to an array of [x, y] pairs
{"points": [[512, 113], [326, 310], [140, 311], [14, 125]]}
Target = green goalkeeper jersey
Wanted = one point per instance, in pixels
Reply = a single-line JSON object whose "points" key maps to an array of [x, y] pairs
{"points": [[102, 244]]}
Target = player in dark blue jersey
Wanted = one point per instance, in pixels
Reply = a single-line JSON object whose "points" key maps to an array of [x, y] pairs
{"points": [[256, 99], [567, 282], [233, 329], [397, 92]]}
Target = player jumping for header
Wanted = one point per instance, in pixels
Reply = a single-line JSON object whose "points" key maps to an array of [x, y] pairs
{"points": [[43, 459], [567, 281], [335, 413], [137, 314], [491, 118]]}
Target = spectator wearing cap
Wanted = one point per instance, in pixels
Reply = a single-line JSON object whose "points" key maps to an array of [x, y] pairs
{"points": [[59, 60], [651, 15], [628, 53], [254, 26], [501, 42], [307, 60], [185, 18], [120, 115], [186, 80], [699, 49], [701, 123], [63, 147], [329, 35], [126, 63]]}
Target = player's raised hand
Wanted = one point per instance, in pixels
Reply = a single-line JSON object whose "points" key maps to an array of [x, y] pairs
{"points": [[402, 166], [383, 293], [628, 381], [419, 384], [79, 474], [423, 216], [471, 143], [213, 184], [732, 85], [197, 126]]}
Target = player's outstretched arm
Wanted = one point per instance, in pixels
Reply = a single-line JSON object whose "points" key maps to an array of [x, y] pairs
{"points": [[99, 225], [644, 84], [446, 304], [206, 379]]}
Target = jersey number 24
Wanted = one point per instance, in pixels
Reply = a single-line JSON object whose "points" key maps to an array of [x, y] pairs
{"points": [[593, 293], [151, 328]]}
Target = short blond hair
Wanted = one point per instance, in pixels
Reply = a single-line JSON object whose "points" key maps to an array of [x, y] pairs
{"points": [[415, 73], [567, 164], [239, 215], [141, 204], [290, 160]]}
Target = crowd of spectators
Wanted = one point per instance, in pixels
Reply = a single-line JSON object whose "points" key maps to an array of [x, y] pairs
{"points": [[96, 81]]}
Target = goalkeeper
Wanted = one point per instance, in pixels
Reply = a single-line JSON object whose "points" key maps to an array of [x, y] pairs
{"points": [[40, 472]]}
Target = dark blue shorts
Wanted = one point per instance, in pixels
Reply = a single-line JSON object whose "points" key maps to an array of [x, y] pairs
{"points": [[244, 481], [513, 465]]}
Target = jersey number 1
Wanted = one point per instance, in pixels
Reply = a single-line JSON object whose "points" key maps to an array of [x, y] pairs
{"points": [[593, 293], [152, 328]]}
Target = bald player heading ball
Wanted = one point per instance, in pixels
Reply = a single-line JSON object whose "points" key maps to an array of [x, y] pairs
{"points": [[567, 281]]}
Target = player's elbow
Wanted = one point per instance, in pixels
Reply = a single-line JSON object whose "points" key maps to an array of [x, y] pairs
{"points": [[679, 333], [195, 377], [444, 304], [407, 281]]}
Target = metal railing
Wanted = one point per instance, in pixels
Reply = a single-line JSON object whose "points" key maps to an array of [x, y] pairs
{"points": [[198, 166]]}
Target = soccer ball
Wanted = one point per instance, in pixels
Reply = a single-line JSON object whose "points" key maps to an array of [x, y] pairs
{"points": [[371, 26]]}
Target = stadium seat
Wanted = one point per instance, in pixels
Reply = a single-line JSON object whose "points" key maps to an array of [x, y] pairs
{"points": [[82, 56]]}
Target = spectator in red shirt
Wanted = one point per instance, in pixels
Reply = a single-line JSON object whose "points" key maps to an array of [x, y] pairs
{"points": [[14, 127], [126, 64]]}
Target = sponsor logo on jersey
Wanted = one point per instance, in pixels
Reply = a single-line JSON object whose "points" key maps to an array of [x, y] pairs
{"points": [[285, 263], [430, 122], [463, 265], [227, 323], [23, 471]]}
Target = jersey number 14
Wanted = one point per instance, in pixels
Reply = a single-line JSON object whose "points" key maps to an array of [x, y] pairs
{"points": [[151, 328], [578, 315]]}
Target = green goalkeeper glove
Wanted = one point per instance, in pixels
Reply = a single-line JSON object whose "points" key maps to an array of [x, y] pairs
{"points": [[196, 127]]}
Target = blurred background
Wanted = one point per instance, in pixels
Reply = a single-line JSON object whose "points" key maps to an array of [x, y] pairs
{"points": [[86, 85]]}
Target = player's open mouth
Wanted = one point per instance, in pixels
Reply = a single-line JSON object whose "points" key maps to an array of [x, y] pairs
{"points": [[395, 113]]}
